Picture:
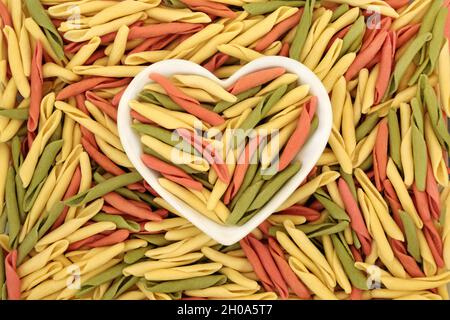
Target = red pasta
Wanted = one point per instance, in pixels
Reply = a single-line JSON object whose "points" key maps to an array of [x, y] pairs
{"points": [[299, 210], [102, 104], [163, 29], [216, 61], [408, 262], [278, 30], [208, 152], [270, 266], [189, 104], [241, 168], [80, 87], [209, 7], [386, 66], [12, 278], [130, 208], [114, 238], [288, 275], [255, 79], [254, 260], [366, 55], [5, 16]]}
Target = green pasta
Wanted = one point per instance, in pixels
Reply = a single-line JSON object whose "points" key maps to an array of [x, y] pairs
{"points": [[105, 276], [156, 239], [41, 172], [411, 236], [314, 230], [335, 211], [15, 114], [39, 15], [12, 208], [405, 60], [3, 221], [243, 204], [196, 283], [272, 186], [435, 113], [350, 182], [174, 3], [366, 126], [16, 154], [223, 105], [356, 277], [353, 37], [429, 54], [302, 30], [147, 198], [103, 188], [119, 221], [356, 241], [233, 247], [367, 164], [419, 147], [427, 25], [17, 160], [339, 11], [57, 135], [329, 230], [437, 40], [127, 193], [119, 286], [160, 99], [248, 178], [166, 136], [394, 138], [39, 229], [135, 255], [202, 179], [256, 8], [259, 112], [247, 217]]}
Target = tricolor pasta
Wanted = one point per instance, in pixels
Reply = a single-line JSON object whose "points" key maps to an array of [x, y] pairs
{"points": [[371, 220], [242, 121]]}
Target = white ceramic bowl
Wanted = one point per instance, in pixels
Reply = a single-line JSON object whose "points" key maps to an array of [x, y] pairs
{"points": [[308, 156]]}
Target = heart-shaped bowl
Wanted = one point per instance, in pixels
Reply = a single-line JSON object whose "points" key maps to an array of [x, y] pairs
{"points": [[308, 155]]}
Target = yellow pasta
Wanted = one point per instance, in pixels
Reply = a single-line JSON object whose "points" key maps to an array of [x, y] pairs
{"points": [[119, 46], [303, 192], [180, 248], [184, 272], [235, 263]]}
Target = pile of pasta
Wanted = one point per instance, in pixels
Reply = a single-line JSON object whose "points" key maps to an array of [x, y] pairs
{"points": [[229, 159], [371, 220]]}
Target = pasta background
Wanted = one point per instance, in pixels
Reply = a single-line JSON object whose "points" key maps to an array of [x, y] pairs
{"points": [[371, 221]]}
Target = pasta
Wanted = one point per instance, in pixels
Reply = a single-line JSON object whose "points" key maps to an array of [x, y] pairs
{"points": [[371, 220], [207, 155]]}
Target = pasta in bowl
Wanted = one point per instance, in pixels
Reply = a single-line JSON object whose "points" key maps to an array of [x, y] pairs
{"points": [[168, 105]]}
